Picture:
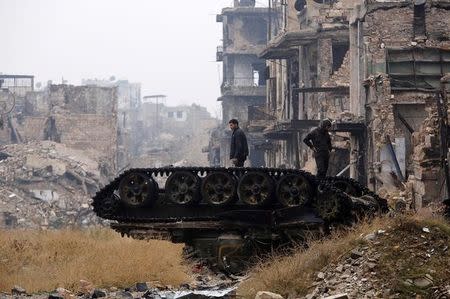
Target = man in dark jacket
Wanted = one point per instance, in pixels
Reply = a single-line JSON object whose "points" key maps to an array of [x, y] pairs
{"points": [[239, 147], [319, 141]]}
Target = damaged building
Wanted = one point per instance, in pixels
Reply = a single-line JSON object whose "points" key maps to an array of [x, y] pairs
{"points": [[128, 104], [374, 68], [171, 135], [243, 89], [58, 146], [81, 117]]}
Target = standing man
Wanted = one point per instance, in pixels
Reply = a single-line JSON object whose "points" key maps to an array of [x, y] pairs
{"points": [[239, 147], [319, 141]]}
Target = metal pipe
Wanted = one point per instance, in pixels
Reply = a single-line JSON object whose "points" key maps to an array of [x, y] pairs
{"points": [[404, 122], [343, 170], [394, 157]]}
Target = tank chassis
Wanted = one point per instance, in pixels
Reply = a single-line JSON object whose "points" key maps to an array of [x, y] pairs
{"points": [[226, 215]]}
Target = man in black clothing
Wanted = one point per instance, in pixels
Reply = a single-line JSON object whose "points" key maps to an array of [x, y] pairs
{"points": [[319, 141], [239, 147]]}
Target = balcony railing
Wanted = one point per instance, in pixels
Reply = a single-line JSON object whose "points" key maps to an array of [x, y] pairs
{"points": [[219, 53]]}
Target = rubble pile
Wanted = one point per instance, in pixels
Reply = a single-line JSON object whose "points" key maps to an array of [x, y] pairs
{"points": [[407, 261], [204, 287], [48, 185]]}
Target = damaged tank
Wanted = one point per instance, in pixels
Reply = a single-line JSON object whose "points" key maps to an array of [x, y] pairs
{"points": [[226, 215]]}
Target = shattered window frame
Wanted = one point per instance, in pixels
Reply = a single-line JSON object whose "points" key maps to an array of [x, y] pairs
{"points": [[416, 68]]}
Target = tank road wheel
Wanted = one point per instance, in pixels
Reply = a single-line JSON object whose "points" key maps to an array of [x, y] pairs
{"points": [[137, 189], [219, 188], [332, 204], [108, 207], [255, 188], [293, 190], [182, 187]]}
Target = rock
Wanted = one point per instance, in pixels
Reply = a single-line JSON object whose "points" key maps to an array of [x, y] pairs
{"points": [[422, 283], [320, 275], [355, 254], [337, 296], [371, 266], [123, 295], [141, 286], [18, 290], [267, 295], [339, 268], [426, 229], [429, 277], [98, 293], [85, 287], [151, 295], [65, 293], [370, 237], [408, 282]]}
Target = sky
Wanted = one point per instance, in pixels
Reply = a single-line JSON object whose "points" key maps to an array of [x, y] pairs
{"points": [[167, 46]]}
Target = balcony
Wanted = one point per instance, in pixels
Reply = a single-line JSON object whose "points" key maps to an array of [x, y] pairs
{"points": [[242, 88], [219, 53]]}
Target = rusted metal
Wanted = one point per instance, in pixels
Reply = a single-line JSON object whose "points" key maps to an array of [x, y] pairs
{"points": [[260, 218]]}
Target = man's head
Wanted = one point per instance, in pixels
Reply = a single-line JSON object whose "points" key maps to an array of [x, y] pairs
{"points": [[234, 124], [326, 124]]}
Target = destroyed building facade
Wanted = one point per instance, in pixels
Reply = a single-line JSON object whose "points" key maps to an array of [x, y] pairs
{"points": [[128, 104], [243, 86], [81, 117], [171, 135], [374, 68], [58, 146]]}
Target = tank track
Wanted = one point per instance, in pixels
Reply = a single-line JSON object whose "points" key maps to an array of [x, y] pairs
{"points": [[358, 190], [221, 231], [105, 201]]}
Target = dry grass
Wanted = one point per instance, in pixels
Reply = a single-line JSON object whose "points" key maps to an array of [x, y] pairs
{"points": [[45, 260], [293, 274], [411, 253]]}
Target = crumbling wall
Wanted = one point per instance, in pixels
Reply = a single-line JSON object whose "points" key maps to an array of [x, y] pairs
{"points": [[33, 128], [392, 26], [427, 178], [88, 131], [237, 107], [83, 117], [84, 99], [245, 33]]}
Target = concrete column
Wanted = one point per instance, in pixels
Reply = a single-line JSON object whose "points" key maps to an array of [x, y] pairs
{"points": [[357, 92], [354, 157]]}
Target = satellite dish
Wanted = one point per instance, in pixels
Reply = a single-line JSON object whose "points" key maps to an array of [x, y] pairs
{"points": [[7, 101]]}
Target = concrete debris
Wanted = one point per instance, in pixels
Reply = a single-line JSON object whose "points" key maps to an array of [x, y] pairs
{"points": [[207, 285], [338, 296], [48, 185], [423, 282], [141, 286], [362, 272], [18, 290], [267, 295]]}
